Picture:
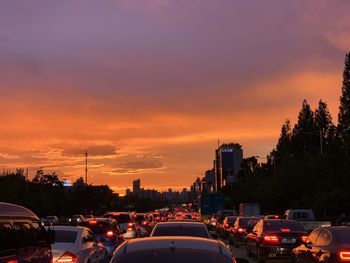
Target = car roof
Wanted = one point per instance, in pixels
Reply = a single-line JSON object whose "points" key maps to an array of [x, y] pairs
{"points": [[11, 210], [172, 242], [68, 228], [180, 223]]}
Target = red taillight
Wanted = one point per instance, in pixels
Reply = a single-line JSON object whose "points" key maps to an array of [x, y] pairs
{"points": [[285, 230], [93, 222], [130, 224], [12, 261], [304, 238], [271, 239], [344, 255], [241, 230], [276, 217], [109, 234], [67, 257], [144, 223]]}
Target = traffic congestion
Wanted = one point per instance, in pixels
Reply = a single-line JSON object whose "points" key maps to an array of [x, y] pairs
{"points": [[179, 234]]}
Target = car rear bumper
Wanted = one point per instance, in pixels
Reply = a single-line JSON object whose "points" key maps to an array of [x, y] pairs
{"points": [[276, 252]]}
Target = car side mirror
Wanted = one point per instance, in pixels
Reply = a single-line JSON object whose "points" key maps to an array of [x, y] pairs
{"points": [[51, 234]]}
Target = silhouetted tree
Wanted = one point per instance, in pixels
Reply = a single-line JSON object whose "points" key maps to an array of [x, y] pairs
{"points": [[344, 108]]}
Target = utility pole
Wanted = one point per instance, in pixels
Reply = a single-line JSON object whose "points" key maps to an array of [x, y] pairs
{"points": [[86, 167]]}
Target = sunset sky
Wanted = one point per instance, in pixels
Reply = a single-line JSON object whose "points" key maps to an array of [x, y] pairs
{"points": [[150, 86]]}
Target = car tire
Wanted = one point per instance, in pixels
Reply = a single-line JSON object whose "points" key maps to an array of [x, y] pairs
{"points": [[259, 258]]}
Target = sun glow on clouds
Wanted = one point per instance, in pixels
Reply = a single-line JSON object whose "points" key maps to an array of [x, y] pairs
{"points": [[152, 85]]}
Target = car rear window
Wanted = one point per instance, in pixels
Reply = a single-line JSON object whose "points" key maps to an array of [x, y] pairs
{"points": [[193, 231], [65, 236], [123, 218], [279, 226], [248, 221], [342, 235], [172, 256], [140, 218]]}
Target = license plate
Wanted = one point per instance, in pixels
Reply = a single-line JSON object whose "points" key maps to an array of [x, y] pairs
{"points": [[288, 240]]}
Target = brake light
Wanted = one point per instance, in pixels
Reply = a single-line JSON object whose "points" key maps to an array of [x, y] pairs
{"points": [[144, 223], [130, 224], [304, 238], [109, 234], [67, 257], [276, 217], [271, 239], [13, 261], [241, 230], [93, 222], [345, 255], [284, 230]]}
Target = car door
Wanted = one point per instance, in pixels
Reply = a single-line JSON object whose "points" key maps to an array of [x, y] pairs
{"points": [[24, 239], [43, 248], [304, 252]]}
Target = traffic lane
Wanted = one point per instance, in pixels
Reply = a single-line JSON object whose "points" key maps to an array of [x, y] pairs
{"points": [[240, 252]]}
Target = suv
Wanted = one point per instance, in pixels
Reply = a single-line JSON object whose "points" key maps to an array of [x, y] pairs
{"points": [[22, 236], [124, 219]]}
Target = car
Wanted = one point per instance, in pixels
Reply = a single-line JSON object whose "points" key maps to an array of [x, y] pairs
{"points": [[194, 229], [106, 231], [76, 220], [212, 223], [325, 244], [275, 239], [174, 249], [22, 236], [143, 224], [220, 216], [241, 227], [224, 228], [76, 244], [50, 221], [125, 221]]}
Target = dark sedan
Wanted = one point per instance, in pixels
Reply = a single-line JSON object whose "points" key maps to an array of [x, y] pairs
{"points": [[325, 244], [241, 227], [275, 238]]}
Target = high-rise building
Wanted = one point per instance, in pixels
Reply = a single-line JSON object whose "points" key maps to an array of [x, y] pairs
{"points": [[228, 162], [136, 187]]}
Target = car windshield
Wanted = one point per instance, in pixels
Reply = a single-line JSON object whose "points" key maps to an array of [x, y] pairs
{"points": [[65, 236], [279, 225], [181, 230], [342, 235], [172, 256]]}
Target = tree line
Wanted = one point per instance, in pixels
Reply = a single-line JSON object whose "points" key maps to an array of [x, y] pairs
{"points": [[46, 195], [310, 165]]}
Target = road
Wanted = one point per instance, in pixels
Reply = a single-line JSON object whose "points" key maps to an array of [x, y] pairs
{"points": [[240, 252]]}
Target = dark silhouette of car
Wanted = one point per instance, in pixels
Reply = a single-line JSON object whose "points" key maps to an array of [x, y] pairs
{"points": [[241, 227], [325, 244], [275, 239], [22, 236]]}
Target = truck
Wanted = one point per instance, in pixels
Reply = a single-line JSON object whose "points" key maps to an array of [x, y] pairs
{"points": [[249, 209], [210, 204], [306, 218]]}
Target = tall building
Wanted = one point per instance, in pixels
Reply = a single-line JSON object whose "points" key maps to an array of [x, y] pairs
{"points": [[228, 162], [136, 187]]}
